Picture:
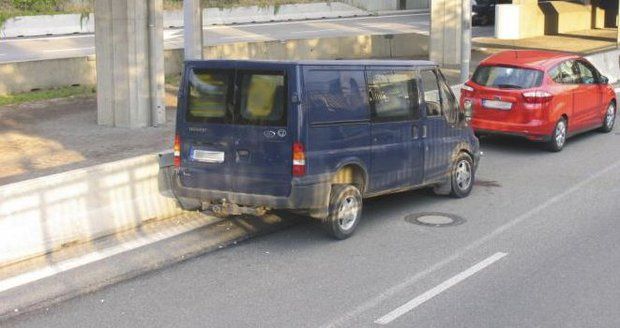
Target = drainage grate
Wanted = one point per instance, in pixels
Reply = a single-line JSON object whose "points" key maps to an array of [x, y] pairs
{"points": [[435, 219]]}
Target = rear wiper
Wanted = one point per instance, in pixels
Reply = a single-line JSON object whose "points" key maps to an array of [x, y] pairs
{"points": [[509, 86]]}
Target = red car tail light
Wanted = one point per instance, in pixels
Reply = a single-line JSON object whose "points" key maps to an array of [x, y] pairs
{"points": [[537, 97], [299, 159], [177, 151]]}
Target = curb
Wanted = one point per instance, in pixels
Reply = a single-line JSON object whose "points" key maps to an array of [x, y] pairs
{"points": [[81, 280]]}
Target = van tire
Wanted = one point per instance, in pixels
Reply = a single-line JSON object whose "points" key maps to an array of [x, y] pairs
{"points": [[341, 222], [462, 176]]}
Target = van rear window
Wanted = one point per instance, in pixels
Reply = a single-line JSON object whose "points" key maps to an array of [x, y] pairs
{"points": [[209, 93], [259, 99], [505, 77]]}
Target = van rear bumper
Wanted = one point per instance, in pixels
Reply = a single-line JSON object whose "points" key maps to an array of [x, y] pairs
{"points": [[313, 197]]}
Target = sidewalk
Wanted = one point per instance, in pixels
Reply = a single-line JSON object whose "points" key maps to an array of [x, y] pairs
{"points": [[55, 136], [582, 42]]}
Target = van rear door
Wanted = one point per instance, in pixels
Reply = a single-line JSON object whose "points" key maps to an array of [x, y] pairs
{"points": [[234, 132], [263, 144]]}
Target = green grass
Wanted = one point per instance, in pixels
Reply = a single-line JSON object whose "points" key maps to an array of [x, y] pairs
{"points": [[40, 95], [14, 8]]}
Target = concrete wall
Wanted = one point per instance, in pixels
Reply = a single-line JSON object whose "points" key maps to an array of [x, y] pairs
{"points": [[530, 19], [70, 24], [562, 17], [41, 215], [608, 63], [45, 74]]}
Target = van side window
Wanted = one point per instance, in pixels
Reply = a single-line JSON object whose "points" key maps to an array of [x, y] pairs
{"points": [[208, 96], [262, 99], [336, 95], [394, 95], [432, 97], [448, 101]]}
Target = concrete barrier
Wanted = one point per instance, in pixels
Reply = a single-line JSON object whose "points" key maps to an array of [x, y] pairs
{"points": [[42, 215], [519, 21], [608, 63], [44, 74], [25, 26]]}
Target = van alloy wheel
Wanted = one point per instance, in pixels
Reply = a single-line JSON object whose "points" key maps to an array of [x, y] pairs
{"points": [[348, 213], [345, 211], [463, 175]]}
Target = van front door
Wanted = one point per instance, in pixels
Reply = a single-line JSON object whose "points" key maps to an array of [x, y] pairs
{"points": [[439, 128], [397, 155]]}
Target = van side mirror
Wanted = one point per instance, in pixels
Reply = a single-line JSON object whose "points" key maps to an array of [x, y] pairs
{"points": [[604, 80], [468, 107]]}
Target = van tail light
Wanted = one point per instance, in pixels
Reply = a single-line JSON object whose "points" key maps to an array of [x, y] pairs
{"points": [[537, 97], [299, 160], [177, 151]]}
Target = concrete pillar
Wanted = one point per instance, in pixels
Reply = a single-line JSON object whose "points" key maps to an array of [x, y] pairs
{"points": [[192, 31], [125, 34], [447, 33]]}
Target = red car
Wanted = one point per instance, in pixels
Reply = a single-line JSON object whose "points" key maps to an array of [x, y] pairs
{"points": [[539, 95]]}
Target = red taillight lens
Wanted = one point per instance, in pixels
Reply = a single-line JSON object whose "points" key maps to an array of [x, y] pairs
{"points": [[299, 160], [177, 151], [537, 97]]}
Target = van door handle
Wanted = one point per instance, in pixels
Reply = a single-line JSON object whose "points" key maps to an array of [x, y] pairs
{"points": [[424, 131], [416, 133]]}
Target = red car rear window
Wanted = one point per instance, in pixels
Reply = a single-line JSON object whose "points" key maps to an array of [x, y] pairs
{"points": [[504, 77]]}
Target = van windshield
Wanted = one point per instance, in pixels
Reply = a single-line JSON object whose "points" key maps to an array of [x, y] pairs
{"points": [[505, 77], [259, 99]]}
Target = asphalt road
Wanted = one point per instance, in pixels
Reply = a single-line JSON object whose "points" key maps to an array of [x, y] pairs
{"points": [[539, 248], [12, 50]]}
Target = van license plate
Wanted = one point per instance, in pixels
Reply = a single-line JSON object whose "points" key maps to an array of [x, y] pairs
{"points": [[208, 156], [497, 104]]}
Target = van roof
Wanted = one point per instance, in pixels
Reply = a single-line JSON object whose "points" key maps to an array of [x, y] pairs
{"points": [[312, 62]]}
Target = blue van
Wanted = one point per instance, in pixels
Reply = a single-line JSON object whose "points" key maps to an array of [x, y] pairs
{"points": [[317, 137]]}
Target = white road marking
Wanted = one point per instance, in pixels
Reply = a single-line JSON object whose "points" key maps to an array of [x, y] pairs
{"points": [[386, 319], [375, 301], [67, 265], [69, 49]]}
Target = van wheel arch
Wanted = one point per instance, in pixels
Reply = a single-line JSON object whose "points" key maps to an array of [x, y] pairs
{"points": [[352, 174]]}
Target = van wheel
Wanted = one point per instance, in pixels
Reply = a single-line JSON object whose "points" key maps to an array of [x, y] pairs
{"points": [[345, 211], [610, 119], [558, 137], [462, 176]]}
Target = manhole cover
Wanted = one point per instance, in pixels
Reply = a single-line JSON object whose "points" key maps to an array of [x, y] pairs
{"points": [[435, 219]]}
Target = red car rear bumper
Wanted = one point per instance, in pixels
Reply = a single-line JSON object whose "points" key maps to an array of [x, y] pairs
{"points": [[534, 130]]}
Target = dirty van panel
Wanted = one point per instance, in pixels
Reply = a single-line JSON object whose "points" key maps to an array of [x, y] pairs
{"points": [[263, 141], [236, 136], [337, 105], [397, 140], [206, 138]]}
